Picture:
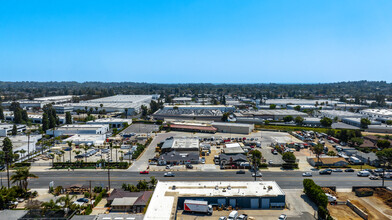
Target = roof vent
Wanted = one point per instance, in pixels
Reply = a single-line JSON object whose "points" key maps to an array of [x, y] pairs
{"points": [[216, 187], [174, 187], [229, 187]]}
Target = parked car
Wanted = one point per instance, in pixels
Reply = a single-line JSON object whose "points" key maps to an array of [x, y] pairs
{"points": [[349, 170], [374, 177], [243, 217], [282, 217], [306, 174], [240, 172], [169, 174], [168, 167], [337, 170], [257, 174], [144, 172], [379, 170], [233, 215], [222, 218], [363, 173], [325, 172], [189, 166]]}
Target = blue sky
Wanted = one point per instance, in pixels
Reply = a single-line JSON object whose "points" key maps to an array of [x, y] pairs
{"points": [[218, 41]]}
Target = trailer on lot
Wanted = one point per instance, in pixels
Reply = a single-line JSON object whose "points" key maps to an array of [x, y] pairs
{"points": [[197, 206]]}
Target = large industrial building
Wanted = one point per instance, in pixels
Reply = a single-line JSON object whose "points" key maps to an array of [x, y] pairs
{"points": [[339, 114], [112, 122], [270, 114], [237, 128], [223, 108], [40, 102], [129, 104], [189, 114], [181, 144], [379, 114], [285, 102], [169, 197], [79, 129]]}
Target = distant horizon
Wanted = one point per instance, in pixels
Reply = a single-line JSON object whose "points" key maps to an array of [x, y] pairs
{"points": [[222, 41], [227, 83]]}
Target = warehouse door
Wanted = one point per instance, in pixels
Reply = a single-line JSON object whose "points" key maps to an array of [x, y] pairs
{"points": [[222, 202], [232, 203], [254, 203], [265, 203]]}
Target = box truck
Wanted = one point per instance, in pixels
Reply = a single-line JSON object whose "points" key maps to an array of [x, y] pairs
{"points": [[197, 206]]}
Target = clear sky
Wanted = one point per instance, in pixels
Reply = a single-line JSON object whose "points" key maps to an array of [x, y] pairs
{"points": [[218, 41]]}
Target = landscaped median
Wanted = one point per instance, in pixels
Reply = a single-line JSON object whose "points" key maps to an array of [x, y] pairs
{"points": [[90, 165]]}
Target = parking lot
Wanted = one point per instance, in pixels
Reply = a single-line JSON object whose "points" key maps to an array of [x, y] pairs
{"points": [[138, 128]]}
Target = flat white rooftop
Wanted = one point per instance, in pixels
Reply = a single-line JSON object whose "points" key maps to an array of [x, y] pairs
{"points": [[121, 99], [110, 120], [379, 112], [165, 195]]}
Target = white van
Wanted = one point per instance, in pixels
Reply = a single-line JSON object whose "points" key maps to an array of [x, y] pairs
{"points": [[363, 173], [233, 215]]}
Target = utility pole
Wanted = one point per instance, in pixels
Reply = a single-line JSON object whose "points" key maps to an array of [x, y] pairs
{"points": [[90, 189], [28, 145], [109, 178]]}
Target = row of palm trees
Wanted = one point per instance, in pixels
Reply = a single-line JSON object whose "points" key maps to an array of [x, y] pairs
{"points": [[87, 147]]}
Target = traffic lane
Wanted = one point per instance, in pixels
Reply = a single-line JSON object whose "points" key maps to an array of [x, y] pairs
{"points": [[291, 180]]}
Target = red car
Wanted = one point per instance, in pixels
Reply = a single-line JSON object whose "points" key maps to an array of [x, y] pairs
{"points": [[144, 172]]}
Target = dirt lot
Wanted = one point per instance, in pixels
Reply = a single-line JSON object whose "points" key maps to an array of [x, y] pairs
{"points": [[370, 206], [343, 212]]}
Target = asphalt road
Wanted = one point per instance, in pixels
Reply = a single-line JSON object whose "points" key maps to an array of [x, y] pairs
{"points": [[286, 180]]}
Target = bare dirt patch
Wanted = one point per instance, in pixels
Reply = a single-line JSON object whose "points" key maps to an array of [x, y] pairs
{"points": [[343, 212]]}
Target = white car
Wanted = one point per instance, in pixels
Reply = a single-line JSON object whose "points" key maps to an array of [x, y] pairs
{"points": [[282, 217], [169, 174], [306, 174], [258, 174], [374, 177]]}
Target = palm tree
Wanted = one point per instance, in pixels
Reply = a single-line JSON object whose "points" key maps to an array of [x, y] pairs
{"points": [[70, 150], [85, 148], [21, 175], [22, 152], [77, 152], [153, 182], [67, 200], [51, 205], [62, 153]]}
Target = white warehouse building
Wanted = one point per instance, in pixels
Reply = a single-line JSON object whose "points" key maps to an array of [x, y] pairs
{"points": [[74, 129]]}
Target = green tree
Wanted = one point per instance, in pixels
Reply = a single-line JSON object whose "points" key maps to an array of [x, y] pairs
{"points": [[25, 117], [67, 200], [299, 120], [272, 106], [14, 130], [1, 112], [8, 156], [70, 150], [331, 153], [365, 123], [51, 205], [356, 141], [326, 122], [389, 122], [297, 108], [21, 176], [153, 182], [383, 144], [68, 118], [45, 122], [289, 157], [225, 116], [144, 111], [288, 118], [318, 150]]}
